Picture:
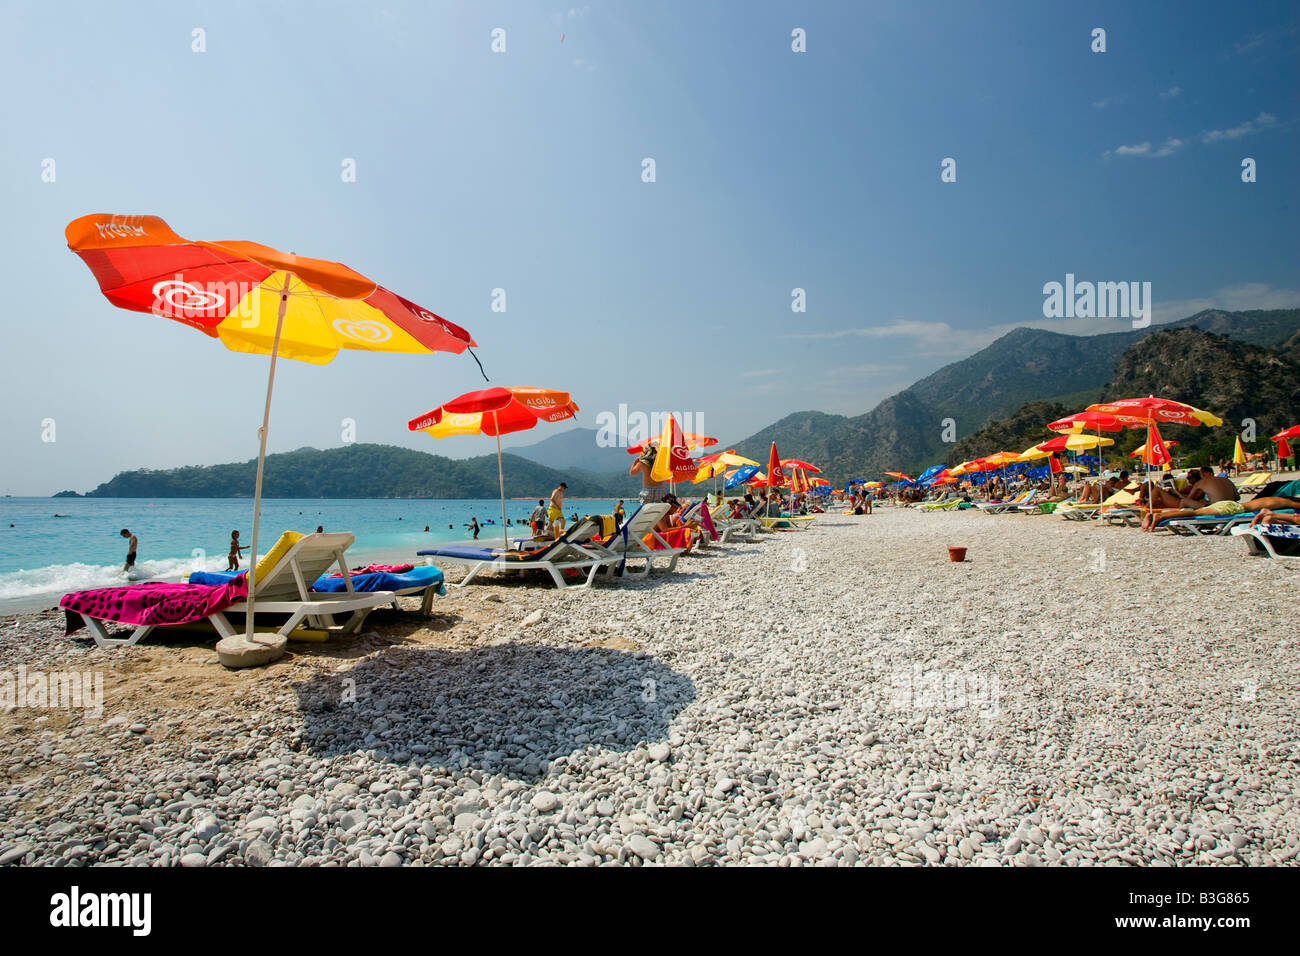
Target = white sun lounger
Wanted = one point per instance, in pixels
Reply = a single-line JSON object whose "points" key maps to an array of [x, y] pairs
{"points": [[627, 546], [998, 507], [1264, 540], [286, 589], [746, 526], [569, 552]]}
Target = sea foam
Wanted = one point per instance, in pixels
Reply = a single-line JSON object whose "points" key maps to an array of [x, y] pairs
{"points": [[61, 578]]}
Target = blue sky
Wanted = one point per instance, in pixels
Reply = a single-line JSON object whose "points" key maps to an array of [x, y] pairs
{"points": [[522, 170]]}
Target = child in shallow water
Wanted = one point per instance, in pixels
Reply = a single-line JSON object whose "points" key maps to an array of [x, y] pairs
{"points": [[235, 548]]}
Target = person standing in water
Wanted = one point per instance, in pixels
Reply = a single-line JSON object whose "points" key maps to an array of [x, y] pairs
{"points": [[131, 545], [473, 526], [235, 548]]}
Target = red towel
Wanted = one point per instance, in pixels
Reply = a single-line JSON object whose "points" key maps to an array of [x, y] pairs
{"points": [[157, 603], [378, 569]]}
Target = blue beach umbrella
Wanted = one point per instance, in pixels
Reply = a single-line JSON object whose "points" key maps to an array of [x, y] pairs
{"points": [[742, 475]]}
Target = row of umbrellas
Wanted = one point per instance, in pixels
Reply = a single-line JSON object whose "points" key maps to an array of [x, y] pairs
{"points": [[230, 290], [1146, 413]]}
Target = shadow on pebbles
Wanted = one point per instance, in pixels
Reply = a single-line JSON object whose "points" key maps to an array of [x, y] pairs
{"points": [[503, 709]]}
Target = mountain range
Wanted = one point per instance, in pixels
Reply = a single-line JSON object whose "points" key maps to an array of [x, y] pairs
{"points": [[906, 431], [1239, 365]]}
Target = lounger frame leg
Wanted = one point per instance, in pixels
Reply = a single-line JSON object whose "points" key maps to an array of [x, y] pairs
{"points": [[101, 636]]}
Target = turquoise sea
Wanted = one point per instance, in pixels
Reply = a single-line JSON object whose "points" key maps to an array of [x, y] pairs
{"points": [[43, 556]]}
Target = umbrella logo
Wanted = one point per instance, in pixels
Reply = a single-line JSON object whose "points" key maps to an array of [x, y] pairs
{"points": [[372, 333], [178, 296]]}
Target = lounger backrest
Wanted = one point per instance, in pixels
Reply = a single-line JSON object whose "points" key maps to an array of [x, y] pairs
{"points": [[313, 555], [643, 520]]}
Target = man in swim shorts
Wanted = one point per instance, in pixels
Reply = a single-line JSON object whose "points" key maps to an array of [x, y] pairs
{"points": [[555, 513], [131, 545]]}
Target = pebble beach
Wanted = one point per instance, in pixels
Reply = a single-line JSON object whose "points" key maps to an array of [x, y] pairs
{"points": [[1068, 694]]}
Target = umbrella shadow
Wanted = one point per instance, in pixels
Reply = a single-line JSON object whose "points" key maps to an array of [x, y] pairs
{"points": [[508, 709]]}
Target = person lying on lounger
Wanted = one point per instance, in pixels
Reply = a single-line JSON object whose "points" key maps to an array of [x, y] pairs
{"points": [[1266, 516], [1208, 494]]}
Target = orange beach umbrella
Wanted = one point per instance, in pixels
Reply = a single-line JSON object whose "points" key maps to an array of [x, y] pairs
{"points": [[254, 299], [497, 412]]}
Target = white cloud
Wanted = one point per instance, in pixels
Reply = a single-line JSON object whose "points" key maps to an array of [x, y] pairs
{"points": [[1109, 101], [1172, 93], [853, 371], [1167, 148], [940, 338], [1261, 122]]}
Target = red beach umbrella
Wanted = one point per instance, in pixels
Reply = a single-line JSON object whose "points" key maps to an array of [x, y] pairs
{"points": [[496, 411]]}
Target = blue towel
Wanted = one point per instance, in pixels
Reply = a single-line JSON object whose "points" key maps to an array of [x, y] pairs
{"points": [[421, 576]]}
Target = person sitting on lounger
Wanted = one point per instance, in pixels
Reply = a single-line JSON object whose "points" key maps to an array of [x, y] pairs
{"points": [[773, 504], [671, 524], [1207, 488]]}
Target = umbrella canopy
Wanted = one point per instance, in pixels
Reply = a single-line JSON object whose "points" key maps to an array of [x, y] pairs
{"points": [[1155, 452], [1284, 449], [497, 412], [1141, 449], [1292, 432], [1238, 453], [230, 290], [796, 463], [1138, 412], [672, 463], [740, 476], [775, 476], [1096, 421], [1076, 469], [1063, 443], [689, 439], [252, 297], [899, 475]]}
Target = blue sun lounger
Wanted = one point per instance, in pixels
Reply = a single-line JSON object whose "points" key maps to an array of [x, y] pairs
{"points": [[564, 554]]}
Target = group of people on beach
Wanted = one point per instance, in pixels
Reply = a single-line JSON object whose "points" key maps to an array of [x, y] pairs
{"points": [[1208, 493]]}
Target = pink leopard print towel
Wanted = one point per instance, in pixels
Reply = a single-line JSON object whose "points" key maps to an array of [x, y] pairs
{"points": [[157, 603]]}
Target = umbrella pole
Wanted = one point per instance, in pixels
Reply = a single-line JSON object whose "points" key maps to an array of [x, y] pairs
{"points": [[501, 482], [261, 460]]}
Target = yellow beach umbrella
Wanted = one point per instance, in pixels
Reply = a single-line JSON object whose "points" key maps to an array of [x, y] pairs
{"points": [[1239, 453]]}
